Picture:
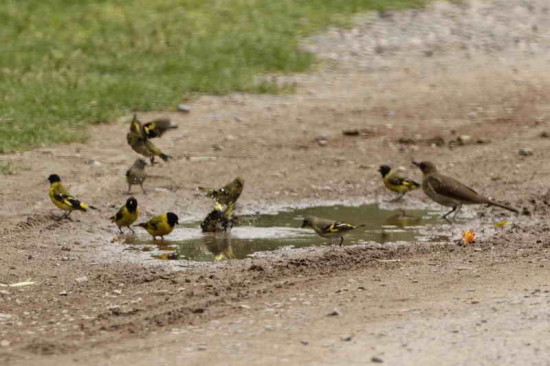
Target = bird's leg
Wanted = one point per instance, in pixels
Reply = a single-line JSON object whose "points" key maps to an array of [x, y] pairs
{"points": [[120, 229], [341, 240], [152, 158], [143, 189], [401, 195], [457, 210], [132, 230], [129, 189], [450, 212]]}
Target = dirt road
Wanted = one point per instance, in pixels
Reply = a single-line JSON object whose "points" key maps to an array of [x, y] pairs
{"points": [[412, 82]]}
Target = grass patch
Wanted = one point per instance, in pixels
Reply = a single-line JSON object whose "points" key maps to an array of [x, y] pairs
{"points": [[65, 63]]}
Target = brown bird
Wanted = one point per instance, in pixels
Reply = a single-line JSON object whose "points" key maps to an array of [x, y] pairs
{"points": [[136, 175], [450, 192], [157, 127]]}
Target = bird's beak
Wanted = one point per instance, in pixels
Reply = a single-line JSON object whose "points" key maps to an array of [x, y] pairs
{"points": [[416, 163]]}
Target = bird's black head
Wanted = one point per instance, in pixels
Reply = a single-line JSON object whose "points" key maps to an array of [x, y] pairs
{"points": [[384, 170], [172, 218], [131, 204], [426, 167], [54, 178]]}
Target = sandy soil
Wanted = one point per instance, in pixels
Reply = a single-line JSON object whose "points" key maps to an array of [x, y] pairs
{"points": [[477, 68]]}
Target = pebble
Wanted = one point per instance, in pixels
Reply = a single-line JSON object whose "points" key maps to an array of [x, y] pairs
{"points": [[63, 293], [82, 279], [335, 312], [376, 359], [525, 151], [184, 108], [5, 292], [117, 292], [5, 343], [346, 338]]}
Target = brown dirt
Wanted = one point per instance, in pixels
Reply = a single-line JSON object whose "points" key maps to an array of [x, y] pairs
{"points": [[474, 68]]}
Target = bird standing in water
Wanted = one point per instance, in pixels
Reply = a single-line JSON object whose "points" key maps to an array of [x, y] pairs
{"points": [[160, 225], [328, 228], [450, 192], [396, 183]]}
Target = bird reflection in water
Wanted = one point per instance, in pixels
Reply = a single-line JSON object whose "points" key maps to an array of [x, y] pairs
{"points": [[219, 246], [400, 220]]}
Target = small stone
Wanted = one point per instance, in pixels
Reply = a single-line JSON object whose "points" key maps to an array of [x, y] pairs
{"points": [[5, 343], [115, 310], [544, 134], [184, 108], [305, 343], [202, 347], [246, 307], [525, 151], [346, 338], [5, 293], [63, 293], [353, 132], [334, 312], [321, 141], [81, 279], [376, 359], [117, 292]]}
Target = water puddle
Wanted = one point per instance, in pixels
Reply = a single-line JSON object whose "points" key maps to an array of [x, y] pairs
{"points": [[268, 232]]}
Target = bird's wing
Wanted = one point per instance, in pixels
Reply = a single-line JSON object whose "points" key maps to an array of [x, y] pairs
{"points": [[337, 227], [152, 148], [398, 180], [118, 215], [450, 187], [158, 127]]}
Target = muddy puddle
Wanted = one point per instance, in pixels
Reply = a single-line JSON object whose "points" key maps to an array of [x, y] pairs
{"points": [[267, 232]]}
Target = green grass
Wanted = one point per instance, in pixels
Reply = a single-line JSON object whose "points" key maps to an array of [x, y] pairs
{"points": [[65, 64]]}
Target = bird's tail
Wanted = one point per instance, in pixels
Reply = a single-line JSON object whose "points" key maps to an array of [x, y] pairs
{"points": [[493, 203], [165, 157]]}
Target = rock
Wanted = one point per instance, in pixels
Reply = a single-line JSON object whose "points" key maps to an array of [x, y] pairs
{"points": [[525, 151], [81, 279], [5, 343], [5, 293], [321, 140], [246, 307], [63, 293], [115, 310], [346, 338], [305, 343], [117, 292], [376, 359], [184, 108], [334, 312], [354, 132], [544, 134]]}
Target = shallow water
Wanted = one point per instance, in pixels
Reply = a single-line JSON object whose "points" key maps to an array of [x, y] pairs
{"points": [[282, 230]]}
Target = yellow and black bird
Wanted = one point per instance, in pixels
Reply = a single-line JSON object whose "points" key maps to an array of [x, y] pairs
{"points": [[61, 197], [329, 229], [139, 142], [228, 194], [396, 183], [450, 192], [127, 214], [160, 225], [157, 127], [136, 174]]}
